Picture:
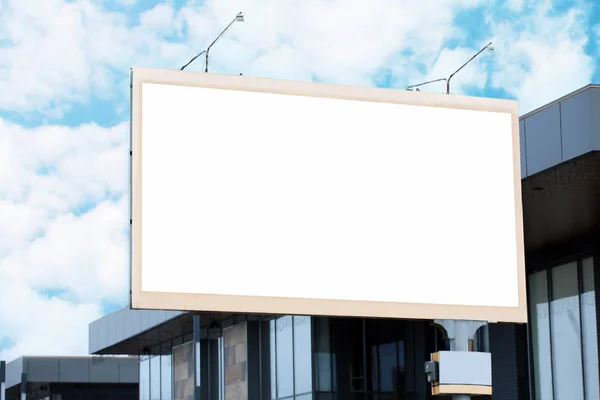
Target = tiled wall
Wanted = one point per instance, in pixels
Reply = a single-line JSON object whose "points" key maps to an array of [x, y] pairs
{"points": [[183, 372], [235, 360]]}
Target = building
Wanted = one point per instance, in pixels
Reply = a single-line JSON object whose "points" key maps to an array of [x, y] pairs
{"points": [[561, 206], [555, 356], [72, 378]]}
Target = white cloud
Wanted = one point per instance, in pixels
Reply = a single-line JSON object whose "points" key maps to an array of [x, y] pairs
{"points": [[515, 5], [541, 57], [161, 16], [45, 174], [64, 51], [41, 326]]}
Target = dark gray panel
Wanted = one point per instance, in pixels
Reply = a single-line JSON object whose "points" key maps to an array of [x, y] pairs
{"points": [[14, 369], [42, 369], [119, 326], [129, 372], [542, 133], [576, 120], [111, 331], [103, 333], [129, 320], [75, 370], [104, 369], [595, 96], [92, 338], [124, 324], [154, 317], [523, 148], [137, 321], [504, 362], [144, 320]]}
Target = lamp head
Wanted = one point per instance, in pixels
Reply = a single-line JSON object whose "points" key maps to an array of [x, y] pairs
{"points": [[239, 17]]}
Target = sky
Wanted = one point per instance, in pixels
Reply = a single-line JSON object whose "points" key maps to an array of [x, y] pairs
{"points": [[64, 110]]}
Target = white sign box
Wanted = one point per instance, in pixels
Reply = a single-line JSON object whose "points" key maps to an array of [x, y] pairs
{"points": [[269, 196]]}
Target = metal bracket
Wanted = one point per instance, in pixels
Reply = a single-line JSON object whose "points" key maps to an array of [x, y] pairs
{"points": [[459, 332], [432, 371]]}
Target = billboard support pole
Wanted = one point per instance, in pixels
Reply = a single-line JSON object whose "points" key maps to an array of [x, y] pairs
{"points": [[197, 357], [23, 386], [459, 333], [2, 380]]}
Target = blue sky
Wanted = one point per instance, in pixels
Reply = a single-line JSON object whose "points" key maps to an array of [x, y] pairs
{"points": [[64, 102]]}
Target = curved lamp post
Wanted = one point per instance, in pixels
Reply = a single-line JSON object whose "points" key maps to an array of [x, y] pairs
{"points": [[488, 47], [238, 18]]}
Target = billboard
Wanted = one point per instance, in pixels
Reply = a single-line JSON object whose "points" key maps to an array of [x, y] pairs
{"points": [[268, 196]]}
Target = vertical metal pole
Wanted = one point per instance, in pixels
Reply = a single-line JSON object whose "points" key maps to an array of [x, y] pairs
{"points": [[23, 386], [485, 339], [2, 380], [197, 380], [460, 343], [364, 357]]}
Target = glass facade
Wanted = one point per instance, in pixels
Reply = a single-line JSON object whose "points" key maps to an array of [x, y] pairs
{"points": [[564, 341], [290, 350], [372, 358], [158, 370], [297, 358]]}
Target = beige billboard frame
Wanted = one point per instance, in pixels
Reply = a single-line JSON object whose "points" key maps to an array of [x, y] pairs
{"points": [[303, 306]]}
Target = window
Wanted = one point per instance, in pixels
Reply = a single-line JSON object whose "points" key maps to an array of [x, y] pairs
{"points": [[290, 351], [355, 355], [144, 378], [323, 355], [155, 378], [540, 334], [589, 330], [302, 355], [221, 366], [166, 377], [563, 332], [284, 350], [385, 339]]}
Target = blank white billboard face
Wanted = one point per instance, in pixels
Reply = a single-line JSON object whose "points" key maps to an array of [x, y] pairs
{"points": [[254, 195]]}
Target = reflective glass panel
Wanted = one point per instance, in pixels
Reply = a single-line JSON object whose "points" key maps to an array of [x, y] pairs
{"points": [[273, 355], [155, 378], [566, 333], [323, 354], [166, 377], [589, 330], [144, 378], [302, 354], [540, 335], [285, 360]]}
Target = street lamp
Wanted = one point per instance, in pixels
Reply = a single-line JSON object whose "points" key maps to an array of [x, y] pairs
{"points": [[238, 18], [489, 47], [424, 83]]}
